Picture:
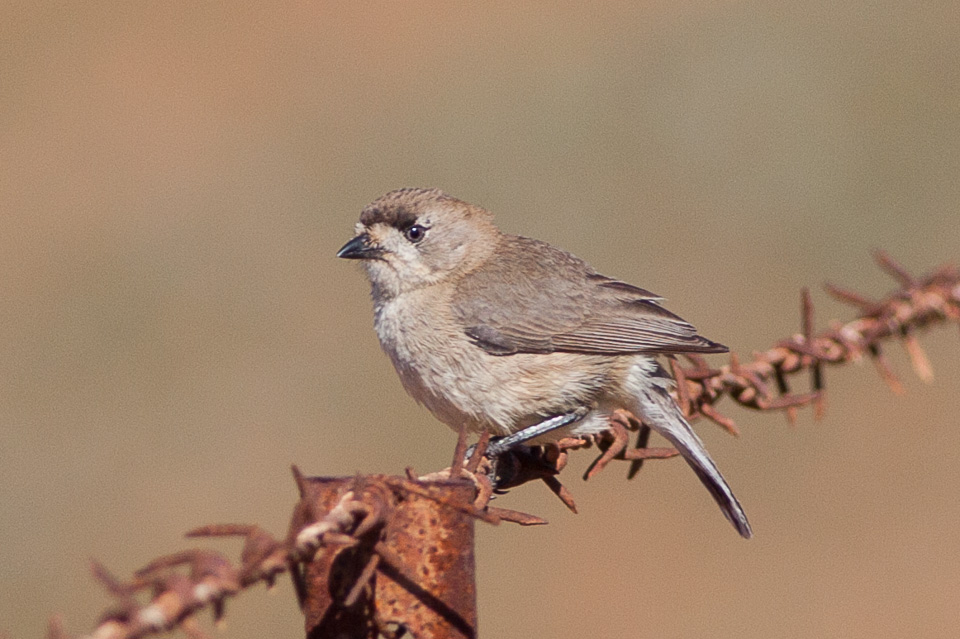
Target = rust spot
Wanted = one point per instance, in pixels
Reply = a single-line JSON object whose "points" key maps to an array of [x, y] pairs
{"points": [[424, 580]]}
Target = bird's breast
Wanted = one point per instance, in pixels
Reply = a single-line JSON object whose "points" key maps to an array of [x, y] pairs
{"points": [[433, 361], [461, 384]]}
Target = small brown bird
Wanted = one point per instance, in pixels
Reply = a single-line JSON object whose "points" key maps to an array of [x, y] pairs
{"points": [[502, 332]]}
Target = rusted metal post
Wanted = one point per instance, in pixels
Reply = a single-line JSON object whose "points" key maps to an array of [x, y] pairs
{"points": [[413, 571]]}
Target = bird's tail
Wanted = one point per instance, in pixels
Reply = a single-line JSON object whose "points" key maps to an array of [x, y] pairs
{"points": [[661, 413]]}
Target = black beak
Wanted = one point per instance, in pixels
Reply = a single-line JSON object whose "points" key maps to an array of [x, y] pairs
{"points": [[360, 248]]}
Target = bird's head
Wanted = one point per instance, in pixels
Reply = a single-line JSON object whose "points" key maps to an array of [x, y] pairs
{"points": [[411, 238]]}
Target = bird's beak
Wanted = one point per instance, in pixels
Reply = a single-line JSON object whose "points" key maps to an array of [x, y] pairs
{"points": [[360, 248]]}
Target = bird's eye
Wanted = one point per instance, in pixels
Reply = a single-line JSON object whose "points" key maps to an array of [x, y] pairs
{"points": [[415, 233]]}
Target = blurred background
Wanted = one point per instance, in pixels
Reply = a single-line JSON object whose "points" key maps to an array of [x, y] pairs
{"points": [[175, 331]]}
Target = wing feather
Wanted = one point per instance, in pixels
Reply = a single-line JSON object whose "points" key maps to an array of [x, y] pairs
{"points": [[522, 304]]}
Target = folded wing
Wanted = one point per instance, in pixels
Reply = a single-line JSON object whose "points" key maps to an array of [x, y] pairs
{"points": [[539, 299]]}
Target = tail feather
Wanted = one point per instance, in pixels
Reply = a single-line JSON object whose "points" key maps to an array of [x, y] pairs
{"points": [[661, 413]]}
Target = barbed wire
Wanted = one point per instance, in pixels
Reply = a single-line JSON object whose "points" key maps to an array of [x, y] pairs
{"points": [[183, 584], [762, 383], [170, 591]]}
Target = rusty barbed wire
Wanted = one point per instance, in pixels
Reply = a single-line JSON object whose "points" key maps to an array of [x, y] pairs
{"points": [[183, 584], [170, 591], [763, 383]]}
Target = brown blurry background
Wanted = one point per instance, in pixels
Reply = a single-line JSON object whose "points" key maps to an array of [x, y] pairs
{"points": [[176, 177]]}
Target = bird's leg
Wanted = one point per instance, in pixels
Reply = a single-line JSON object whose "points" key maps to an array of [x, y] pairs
{"points": [[504, 444], [509, 456], [500, 445]]}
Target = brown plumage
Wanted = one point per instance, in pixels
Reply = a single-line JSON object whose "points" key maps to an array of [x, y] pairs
{"points": [[495, 331], [536, 298]]}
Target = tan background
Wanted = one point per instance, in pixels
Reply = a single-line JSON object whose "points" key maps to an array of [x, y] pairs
{"points": [[175, 331]]}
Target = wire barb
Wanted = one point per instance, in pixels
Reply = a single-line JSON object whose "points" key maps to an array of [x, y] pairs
{"points": [[919, 303]]}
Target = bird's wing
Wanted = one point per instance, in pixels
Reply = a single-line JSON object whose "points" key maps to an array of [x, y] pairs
{"points": [[535, 298]]}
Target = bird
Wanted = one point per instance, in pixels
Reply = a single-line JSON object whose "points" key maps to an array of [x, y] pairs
{"points": [[500, 332]]}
